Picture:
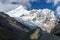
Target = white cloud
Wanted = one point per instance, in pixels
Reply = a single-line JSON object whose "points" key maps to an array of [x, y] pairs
{"points": [[48, 1], [58, 10], [7, 5], [55, 1]]}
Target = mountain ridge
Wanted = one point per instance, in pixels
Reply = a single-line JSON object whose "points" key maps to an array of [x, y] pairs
{"points": [[42, 18], [8, 31]]}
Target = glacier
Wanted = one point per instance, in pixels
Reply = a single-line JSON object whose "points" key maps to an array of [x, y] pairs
{"points": [[42, 18]]}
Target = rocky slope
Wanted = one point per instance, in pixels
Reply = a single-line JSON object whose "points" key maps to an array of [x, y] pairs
{"points": [[56, 30], [10, 29]]}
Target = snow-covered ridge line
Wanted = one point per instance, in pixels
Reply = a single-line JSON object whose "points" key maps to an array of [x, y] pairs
{"points": [[45, 18]]}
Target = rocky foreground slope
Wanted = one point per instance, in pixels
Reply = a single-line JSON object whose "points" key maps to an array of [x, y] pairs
{"points": [[10, 29]]}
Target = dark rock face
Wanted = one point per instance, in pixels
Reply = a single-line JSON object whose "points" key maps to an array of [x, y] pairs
{"points": [[54, 35], [10, 29], [56, 30]]}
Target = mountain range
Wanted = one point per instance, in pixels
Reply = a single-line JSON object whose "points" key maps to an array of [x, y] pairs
{"points": [[43, 18], [21, 24]]}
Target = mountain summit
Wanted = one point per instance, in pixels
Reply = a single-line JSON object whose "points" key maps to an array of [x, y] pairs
{"points": [[43, 18]]}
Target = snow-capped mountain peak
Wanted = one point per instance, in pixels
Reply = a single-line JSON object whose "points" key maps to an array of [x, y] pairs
{"points": [[43, 18], [21, 7], [17, 12]]}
